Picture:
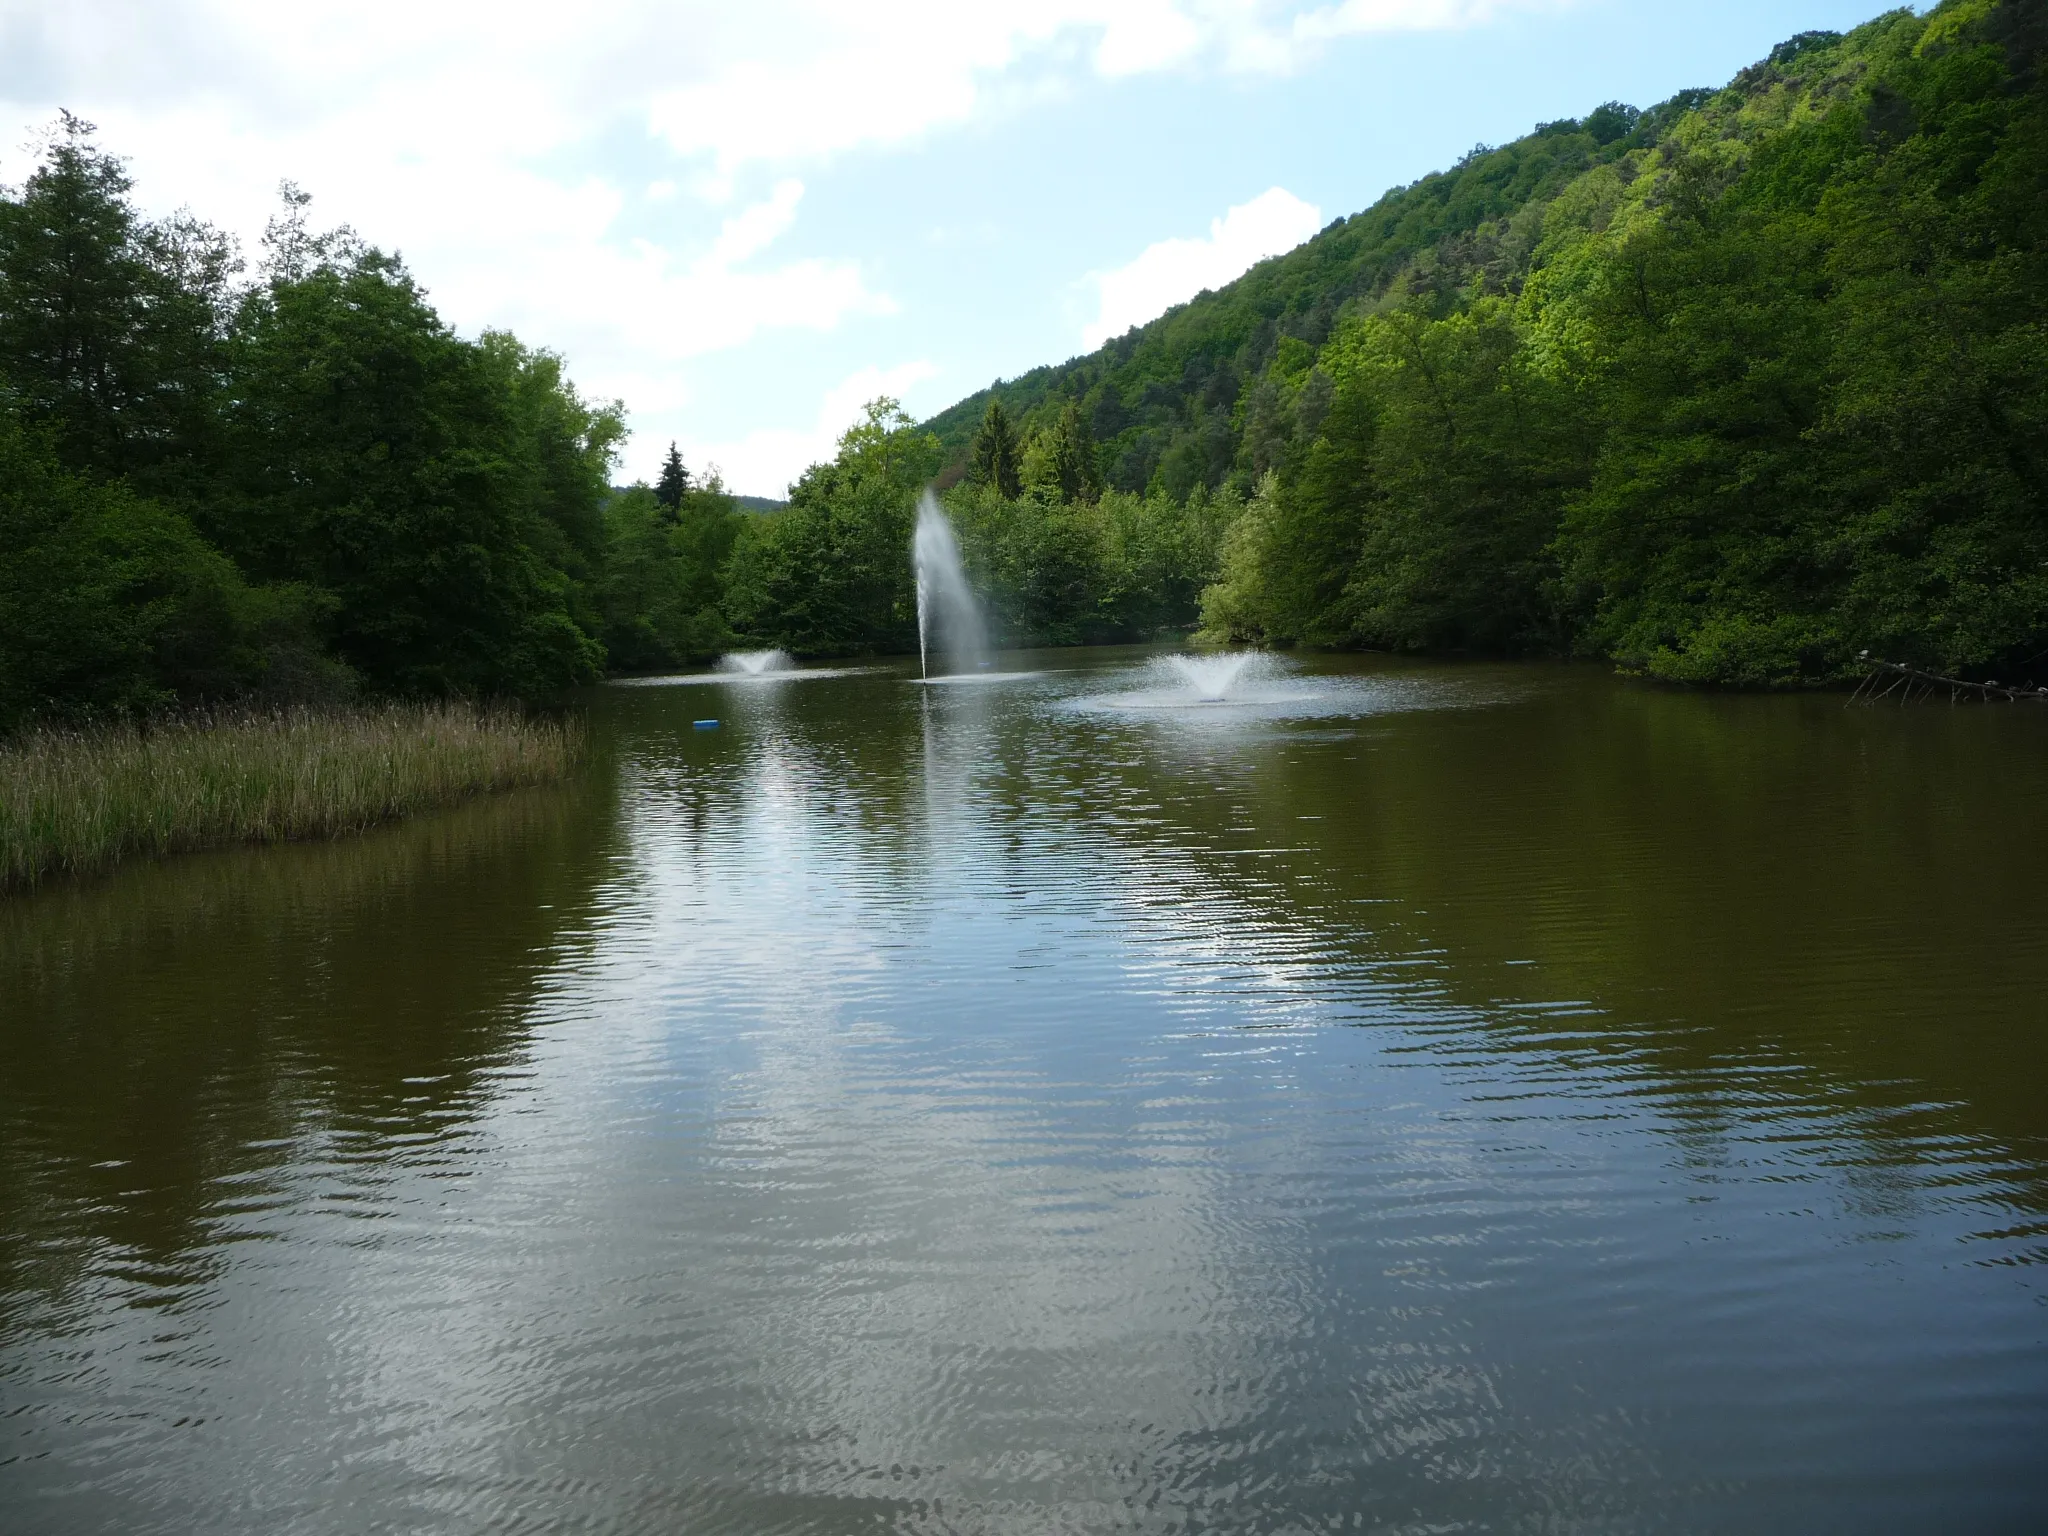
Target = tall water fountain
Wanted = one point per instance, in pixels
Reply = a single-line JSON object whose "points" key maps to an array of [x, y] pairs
{"points": [[949, 622]]}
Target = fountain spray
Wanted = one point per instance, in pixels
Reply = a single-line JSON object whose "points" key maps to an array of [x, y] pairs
{"points": [[948, 617]]}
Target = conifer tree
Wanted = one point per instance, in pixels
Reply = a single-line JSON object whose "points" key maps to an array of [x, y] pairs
{"points": [[1070, 456], [674, 483], [109, 324], [995, 460]]}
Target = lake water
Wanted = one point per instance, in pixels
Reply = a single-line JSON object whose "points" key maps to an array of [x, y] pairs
{"points": [[1419, 1099]]}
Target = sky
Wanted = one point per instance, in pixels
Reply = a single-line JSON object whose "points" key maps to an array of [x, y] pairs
{"points": [[746, 221]]}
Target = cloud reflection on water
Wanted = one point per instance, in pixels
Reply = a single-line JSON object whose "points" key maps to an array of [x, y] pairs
{"points": [[936, 1113]]}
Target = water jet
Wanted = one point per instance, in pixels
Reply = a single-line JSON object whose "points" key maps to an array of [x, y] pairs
{"points": [[948, 616]]}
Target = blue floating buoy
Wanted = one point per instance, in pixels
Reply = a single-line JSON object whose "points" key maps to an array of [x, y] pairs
{"points": [[706, 725]]}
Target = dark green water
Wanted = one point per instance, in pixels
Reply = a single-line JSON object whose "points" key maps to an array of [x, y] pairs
{"points": [[1433, 1099]]}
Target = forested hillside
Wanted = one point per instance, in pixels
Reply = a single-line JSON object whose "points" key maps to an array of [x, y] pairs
{"points": [[1168, 404], [1732, 390]]}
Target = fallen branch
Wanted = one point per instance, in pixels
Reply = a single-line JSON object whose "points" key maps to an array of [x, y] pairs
{"points": [[1890, 677]]}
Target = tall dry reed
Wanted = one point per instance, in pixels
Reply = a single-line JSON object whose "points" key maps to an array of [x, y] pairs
{"points": [[72, 802]]}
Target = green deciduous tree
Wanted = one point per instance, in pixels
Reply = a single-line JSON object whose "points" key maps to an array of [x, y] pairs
{"points": [[434, 487], [832, 571], [664, 577]]}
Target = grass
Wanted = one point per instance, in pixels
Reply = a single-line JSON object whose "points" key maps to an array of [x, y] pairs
{"points": [[75, 802]]}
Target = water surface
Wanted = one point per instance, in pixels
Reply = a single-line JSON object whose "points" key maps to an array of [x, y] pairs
{"points": [[1410, 1099]]}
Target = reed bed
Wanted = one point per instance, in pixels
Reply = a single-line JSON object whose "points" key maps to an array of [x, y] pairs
{"points": [[73, 802]]}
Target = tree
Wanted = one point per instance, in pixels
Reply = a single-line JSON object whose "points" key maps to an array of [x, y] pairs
{"points": [[832, 571], [994, 461], [205, 484], [383, 460], [111, 327], [1473, 452], [664, 577], [1611, 121], [1820, 381], [1061, 461], [674, 483]]}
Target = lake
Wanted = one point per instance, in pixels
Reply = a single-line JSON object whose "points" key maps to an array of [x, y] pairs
{"points": [[1399, 1097]]}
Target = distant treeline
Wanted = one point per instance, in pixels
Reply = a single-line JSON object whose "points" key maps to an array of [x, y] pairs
{"points": [[1057, 560]]}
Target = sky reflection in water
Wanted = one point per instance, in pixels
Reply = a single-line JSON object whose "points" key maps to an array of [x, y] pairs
{"points": [[1493, 1098]]}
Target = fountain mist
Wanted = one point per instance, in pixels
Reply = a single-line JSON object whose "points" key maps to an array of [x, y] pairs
{"points": [[1212, 677], [755, 663], [948, 617]]}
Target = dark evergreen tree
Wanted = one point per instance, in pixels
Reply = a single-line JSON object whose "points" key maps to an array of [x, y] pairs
{"points": [[674, 483], [995, 457], [1070, 457], [110, 326]]}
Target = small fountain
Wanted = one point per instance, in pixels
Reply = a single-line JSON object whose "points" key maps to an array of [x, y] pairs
{"points": [[948, 617], [743, 668], [1212, 677], [1233, 684], [756, 663]]}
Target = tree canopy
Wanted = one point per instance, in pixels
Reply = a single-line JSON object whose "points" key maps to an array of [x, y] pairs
{"points": [[302, 483]]}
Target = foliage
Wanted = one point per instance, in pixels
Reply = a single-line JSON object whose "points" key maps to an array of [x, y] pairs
{"points": [[1731, 390], [1179, 403], [446, 493], [994, 460], [1751, 401], [663, 586], [831, 572], [1059, 463], [110, 604], [1472, 447], [674, 483], [1070, 572], [221, 488], [1821, 372], [111, 327]]}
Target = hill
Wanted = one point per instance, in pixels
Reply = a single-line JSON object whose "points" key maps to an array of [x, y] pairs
{"points": [[1744, 389], [1167, 401]]}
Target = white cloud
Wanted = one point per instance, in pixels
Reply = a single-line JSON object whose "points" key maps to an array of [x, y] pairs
{"points": [[807, 79], [756, 229], [1174, 271], [1355, 17], [767, 460], [776, 82], [508, 147]]}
